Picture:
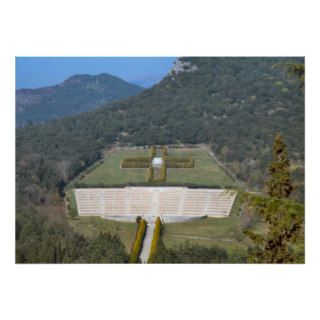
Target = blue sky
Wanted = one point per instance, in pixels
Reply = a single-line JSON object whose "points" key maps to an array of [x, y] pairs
{"points": [[35, 72]]}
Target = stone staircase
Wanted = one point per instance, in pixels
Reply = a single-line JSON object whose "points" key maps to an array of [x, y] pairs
{"points": [[144, 255]]}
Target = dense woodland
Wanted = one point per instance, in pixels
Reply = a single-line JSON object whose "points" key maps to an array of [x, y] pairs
{"points": [[234, 104]]}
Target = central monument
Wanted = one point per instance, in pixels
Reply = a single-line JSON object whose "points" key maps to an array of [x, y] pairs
{"points": [[157, 162], [153, 162]]}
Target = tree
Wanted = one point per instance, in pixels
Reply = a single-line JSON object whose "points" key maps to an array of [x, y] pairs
{"points": [[285, 220], [283, 217], [279, 185]]}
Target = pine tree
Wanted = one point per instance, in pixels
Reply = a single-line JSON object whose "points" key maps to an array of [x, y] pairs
{"points": [[280, 184], [284, 217], [285, 220]]}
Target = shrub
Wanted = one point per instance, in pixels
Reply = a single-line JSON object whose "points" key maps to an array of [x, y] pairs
{"points": [[138, 241], [156, 240]]}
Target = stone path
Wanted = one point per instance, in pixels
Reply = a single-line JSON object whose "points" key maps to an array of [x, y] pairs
{"points": [[144, 255]]}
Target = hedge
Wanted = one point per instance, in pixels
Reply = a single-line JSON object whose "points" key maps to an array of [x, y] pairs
{"points": [[165, 151], [72, 204], [177, 159], [163, 174], [179, 162], [137, 159], [150, 173], [152, 151], [138, 241], [132, 164], [155, 240]]}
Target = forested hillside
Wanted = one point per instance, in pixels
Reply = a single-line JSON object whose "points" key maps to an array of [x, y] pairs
{"points": [[77, 94], [235, 104]]}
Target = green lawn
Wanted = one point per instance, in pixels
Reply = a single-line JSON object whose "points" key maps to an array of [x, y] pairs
{"points": [[206, 171], [224, 232], [91, 226], [109, 171]]}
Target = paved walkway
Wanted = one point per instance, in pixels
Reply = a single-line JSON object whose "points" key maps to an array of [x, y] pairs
{"points": [[144, 255]]}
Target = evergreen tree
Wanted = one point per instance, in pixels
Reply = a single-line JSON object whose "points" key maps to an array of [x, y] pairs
{"points": [[285, 220], [280, 185], [283, 217]]}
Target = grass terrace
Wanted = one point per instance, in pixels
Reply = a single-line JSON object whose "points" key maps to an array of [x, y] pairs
{"points": [[205, 172]]}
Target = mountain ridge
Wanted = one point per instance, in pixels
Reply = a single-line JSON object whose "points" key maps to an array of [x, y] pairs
{"points": [[78, 93]]}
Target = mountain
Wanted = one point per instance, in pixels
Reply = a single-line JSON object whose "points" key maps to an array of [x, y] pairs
{"points": [[79, 93]]}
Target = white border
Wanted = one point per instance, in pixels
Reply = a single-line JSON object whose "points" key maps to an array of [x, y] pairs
{"points": [[159, 28]]}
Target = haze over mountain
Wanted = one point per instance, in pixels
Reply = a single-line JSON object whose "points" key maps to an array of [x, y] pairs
{"points": [[79, 93]]}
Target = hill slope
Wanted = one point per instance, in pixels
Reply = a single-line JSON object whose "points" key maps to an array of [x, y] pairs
{"points": [[77, 94], [235, 104]]}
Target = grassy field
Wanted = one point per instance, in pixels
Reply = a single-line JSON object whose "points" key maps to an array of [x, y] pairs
{"points": [[223, 232], [206, 171], [91, 226]]}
